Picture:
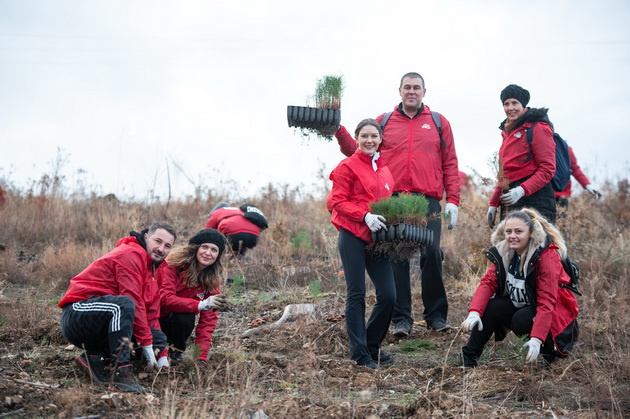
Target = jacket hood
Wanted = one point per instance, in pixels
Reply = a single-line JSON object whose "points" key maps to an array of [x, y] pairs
{"points": [[537, 239], [532, 115]]}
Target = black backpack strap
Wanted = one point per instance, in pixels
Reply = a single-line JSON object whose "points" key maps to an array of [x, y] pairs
{"points": [[438, 123], [529, 137], [385, 119]]}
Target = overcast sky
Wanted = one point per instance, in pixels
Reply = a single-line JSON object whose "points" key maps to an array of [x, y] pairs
{"points": [[133, 90]]}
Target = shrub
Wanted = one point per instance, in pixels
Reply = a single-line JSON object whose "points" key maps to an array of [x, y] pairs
{"points": [[404, 208]]}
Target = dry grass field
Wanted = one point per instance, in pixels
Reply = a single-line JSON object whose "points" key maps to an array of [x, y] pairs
{"points": [[48, 234]]}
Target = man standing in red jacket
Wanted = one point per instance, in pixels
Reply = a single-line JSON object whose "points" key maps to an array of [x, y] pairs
{"points": [[562, 197], [422, 160], [114, 300]]}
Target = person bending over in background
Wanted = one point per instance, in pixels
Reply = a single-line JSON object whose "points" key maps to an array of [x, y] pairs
{"points": [[521, 291], [562, 197], [241, 226], [357, 181], [112, 304], [422, 160], [189, 285], [525, 172]]}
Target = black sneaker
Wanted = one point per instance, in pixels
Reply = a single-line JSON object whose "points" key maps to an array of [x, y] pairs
{"points": [[384, 359], [176, 356], [124, 380], [466, 361], [402, 329], [370, 364], [439, 326], [93, 364]]}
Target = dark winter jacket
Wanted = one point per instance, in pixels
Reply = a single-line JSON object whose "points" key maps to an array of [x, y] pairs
{"points": [[416, 158], [556, 307], [536, 164]]}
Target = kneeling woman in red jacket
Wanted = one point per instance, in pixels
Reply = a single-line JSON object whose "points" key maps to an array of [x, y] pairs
{"points": [[523, 291], [357, 181], [189, 285]]}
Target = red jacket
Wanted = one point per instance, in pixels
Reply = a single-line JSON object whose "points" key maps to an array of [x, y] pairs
{"points": [[355, 186], [414, 154], [556, 307], [577, 173], [126, 270], [519, 160], [176, 297], [230, 220]]}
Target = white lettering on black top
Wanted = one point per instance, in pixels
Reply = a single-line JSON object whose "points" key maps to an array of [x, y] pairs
{"points": [[515, 283]]}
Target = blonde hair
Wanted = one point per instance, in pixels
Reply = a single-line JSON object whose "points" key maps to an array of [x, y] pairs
{"points": [[530, 217], [185, 258]]}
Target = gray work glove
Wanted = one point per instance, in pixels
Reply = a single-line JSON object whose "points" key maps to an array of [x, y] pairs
{"points": [[217, 302], [512, 196], [149, 355], [492, 216], [374, 222], [593, 191], [533, 349], [473, 320], [452, 211]]}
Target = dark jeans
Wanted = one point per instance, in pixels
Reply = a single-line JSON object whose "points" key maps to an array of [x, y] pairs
{"points": [[365, 340], [543, 201], [433, 292], [101, 325], [500, 314], [178, 327]]}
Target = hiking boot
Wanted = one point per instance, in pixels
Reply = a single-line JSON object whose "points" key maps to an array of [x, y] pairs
{"points": [[124, 380], [439, 326], [94, 366], [466, 361], [402, 329], [383, 359]]}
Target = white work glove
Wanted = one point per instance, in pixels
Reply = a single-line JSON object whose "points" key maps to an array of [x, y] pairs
{"points": [[492, 216], [512, 196], [218, 302], [149, 355], [533, 349], [471, 321], [162, 362], [451, 210], [375, 222], [593, 191]]}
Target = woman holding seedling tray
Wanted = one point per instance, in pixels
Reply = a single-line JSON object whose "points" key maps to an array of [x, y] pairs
{"points": [[359, 180]]}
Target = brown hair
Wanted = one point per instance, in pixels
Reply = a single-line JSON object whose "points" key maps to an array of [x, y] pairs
{"points": [[185, 258], [530, 216], [366, 122]]}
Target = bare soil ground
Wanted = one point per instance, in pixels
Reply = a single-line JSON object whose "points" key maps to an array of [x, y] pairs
{"points": [[298, 370]]}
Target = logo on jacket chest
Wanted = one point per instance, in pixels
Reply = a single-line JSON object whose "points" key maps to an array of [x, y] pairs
{"points": [[426, 126], [518, 134]]}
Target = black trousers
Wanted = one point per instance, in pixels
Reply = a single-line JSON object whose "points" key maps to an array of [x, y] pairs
{"points": [[543, 201], [500, 314], [433, 292], [101, 325], [365, 340], [242, 241], [178, 327]]}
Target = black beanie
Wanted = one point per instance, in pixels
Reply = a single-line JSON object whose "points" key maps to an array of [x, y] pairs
{"points": [[515, 92], [209, 235]]}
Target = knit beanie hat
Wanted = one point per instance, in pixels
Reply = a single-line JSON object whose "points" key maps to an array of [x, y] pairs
{"points": [[515, 92], [209, 235]]}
